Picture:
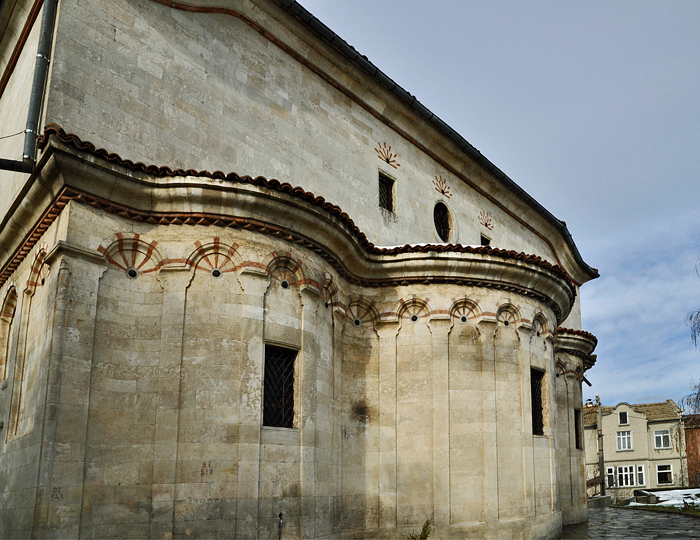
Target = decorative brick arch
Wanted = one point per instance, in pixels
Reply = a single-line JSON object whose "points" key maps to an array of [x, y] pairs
{"points": [[39, 271], [212, 254], [413, 308], [127, 251], [362, 310], [539, 325], [508, 314], [329, 290], [7, 314], [464, 310], [284, 267], [9, 303]]}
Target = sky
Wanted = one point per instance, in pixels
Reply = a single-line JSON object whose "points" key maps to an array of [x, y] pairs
{"points": [[594, 109]]}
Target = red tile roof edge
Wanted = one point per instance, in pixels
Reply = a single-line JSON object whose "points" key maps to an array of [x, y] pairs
{"points": [[74, 140], [581, 333]]}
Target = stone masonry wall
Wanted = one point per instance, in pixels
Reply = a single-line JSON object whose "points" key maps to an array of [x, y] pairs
{"points": [[156, 423], [207, 91]]}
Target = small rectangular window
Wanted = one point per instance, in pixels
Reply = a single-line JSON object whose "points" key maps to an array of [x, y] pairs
{"points": [[623, 419], [662, 438], [278, 389], [386, 192], [624, 440], [577, 428], [485, 241], [536, 377], [664, 474], [640, 475]]}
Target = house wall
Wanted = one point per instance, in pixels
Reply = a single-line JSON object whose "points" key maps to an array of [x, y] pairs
{"points": [[643, 452], [692, 445]]}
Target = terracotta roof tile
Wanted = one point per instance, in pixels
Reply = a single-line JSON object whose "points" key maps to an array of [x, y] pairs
{"points": [[664, 410]]}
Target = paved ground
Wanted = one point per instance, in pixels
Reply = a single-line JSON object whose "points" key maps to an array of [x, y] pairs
{"points": [[630, 523]]}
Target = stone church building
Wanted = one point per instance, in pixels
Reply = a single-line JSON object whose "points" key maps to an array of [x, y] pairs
{"points": [[201, 335]]}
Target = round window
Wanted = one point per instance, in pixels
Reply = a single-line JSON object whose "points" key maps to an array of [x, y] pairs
{"points": [[441, 216]]}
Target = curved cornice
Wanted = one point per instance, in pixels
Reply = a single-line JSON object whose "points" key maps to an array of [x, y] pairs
{"points": [[159, 195], [576, 342]]}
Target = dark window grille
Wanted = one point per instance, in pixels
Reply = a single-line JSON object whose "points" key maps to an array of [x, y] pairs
{"points": [[386, 192], [278, 392], [577, 428], [536, 377], [441, 216]]}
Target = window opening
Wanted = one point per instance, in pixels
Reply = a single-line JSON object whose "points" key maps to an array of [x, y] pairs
{"points": [[625, 476], [624, 440], [623, 418], [662, 438], [441, 217], [536, 377], [577, 428], [386, 192], [640, 475], [664, 474], [485, 241], [611, 477], [278, 392]]}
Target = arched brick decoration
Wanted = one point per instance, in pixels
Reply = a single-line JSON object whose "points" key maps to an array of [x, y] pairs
{"points": [[213, 253], [329, 290], [132, 250], [539, 325], [413, 307], [508, 314], [283, 266], [39, 271], [363, 310], [6, 316], [464, 307]]}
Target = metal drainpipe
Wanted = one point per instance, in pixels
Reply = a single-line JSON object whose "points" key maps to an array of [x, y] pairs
{"points": [[36, 99]]}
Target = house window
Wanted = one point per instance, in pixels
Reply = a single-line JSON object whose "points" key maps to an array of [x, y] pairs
{"points": [[623, 419], [441, 217], [625, 475], [640, 475], [278, 391], [536, 377], [624, 440], [386, 192], [485, 241], [662, 439], [664, 474], [577, 429], [611, 476]]}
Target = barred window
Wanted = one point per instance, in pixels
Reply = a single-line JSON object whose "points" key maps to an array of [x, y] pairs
{"points": [[441, 217], [536, 377], [386, 192], [278, 391], [577, 429]]}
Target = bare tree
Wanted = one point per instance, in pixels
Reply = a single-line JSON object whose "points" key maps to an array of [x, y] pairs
{"points": [[692, 319], [690, 404]]}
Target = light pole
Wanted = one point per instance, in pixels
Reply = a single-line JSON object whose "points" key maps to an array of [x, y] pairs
{"points": [[601, 457]]}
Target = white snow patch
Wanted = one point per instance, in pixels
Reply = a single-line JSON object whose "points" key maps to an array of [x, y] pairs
{"points": [[675, 497]]}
